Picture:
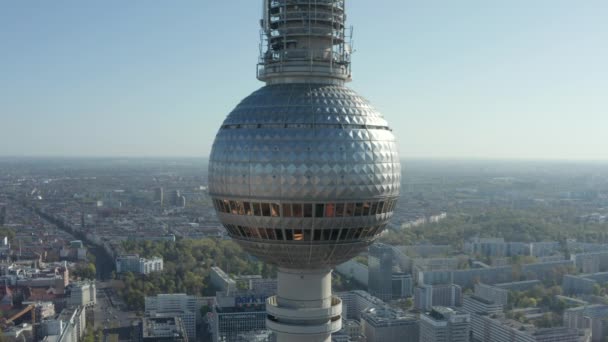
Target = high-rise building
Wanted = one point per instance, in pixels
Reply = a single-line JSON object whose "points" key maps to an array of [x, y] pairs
{"points": [[380, 263], [175, 305], [82, 294], [159, 196], [389, 325], [304, 173], [2, 215], [355, 302], [428, 296], [238, 314], [443, 324]]}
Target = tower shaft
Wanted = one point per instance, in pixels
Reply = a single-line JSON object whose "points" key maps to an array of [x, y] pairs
{"points": [[304, 308]]}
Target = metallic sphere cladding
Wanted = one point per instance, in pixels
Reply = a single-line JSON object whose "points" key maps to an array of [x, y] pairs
{"points": [[304, 175]]}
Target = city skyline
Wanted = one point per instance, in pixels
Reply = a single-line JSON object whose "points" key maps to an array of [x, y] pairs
{"points": [[467, 80]]}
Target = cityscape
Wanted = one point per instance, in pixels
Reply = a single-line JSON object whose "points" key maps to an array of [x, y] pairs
{"points": [[118, 249], [302, 219]]}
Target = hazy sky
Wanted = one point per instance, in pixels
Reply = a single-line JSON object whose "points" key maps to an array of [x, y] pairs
{"points": [[500, 78]]}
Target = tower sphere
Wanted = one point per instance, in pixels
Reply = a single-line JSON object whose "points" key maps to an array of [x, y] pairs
{"points": [[304, 175]]}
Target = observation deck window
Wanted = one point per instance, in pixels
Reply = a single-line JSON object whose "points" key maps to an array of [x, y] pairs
{"points": [[350, 209], [358, 209], [275, 210], [319, 210], [266, 209], [287, 210], [308, 210], [256, 209], [297, 210]]}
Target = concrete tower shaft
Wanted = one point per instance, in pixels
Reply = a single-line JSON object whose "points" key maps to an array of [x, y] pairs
{"points": [[304, 41]]}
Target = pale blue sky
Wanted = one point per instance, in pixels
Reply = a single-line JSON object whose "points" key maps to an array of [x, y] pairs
{"points": [[469, 78]]}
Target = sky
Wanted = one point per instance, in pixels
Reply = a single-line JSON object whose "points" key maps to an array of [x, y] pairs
{"points": [[501, 79]]}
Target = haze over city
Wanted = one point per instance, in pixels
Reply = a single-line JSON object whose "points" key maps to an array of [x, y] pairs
{"points": [[466, 79]]}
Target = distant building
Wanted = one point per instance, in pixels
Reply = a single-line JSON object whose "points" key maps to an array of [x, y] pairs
{"points": [[222, 281], [443, 324], [479, 305], [386, 280], [2, 215], [134, 264], [402, 285], [499, 329], [159, 196], [355, 270], [68, 326], [389, 325], [239, 314], [496, 247], [593, 317], [166, 329], [519, 285], [82, 294], [428, 296], [355, 302], [591, 262], [584, 283], [380, 263], [175, 305], [492, 293]]}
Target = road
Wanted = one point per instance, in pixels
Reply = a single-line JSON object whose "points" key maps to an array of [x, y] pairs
{"points": [[108, 313]]}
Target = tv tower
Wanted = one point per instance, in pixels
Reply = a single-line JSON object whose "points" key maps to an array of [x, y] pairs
{"points": [[304, 172]]}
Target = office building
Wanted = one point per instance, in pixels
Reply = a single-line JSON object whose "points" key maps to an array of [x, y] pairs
{"points": [[380, 263], [67, 326], [134, 264], [443, 324], [239, 314], [179, 305], [164, 329], [389, 325], [428, 296], [221, 281], [82, 294], [355, 302]]}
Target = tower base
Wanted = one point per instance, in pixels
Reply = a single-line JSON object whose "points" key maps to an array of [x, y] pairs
{"points": [[304, 308]]}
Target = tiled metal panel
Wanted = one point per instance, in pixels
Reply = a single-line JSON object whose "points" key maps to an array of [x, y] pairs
{"points": [[305, 143]]}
